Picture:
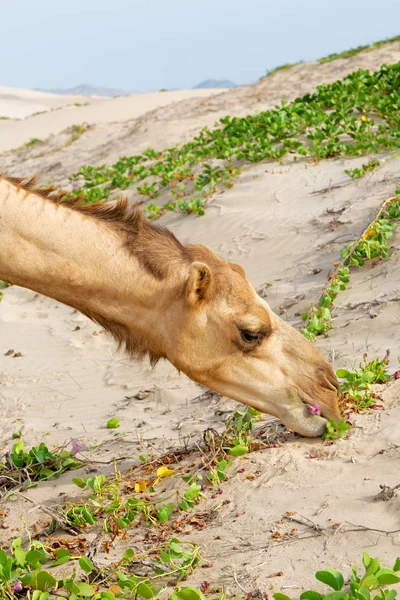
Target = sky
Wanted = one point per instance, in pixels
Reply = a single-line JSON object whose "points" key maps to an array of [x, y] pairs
{"points": [[147, 45]]}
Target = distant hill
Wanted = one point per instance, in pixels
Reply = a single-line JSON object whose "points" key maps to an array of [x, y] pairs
{"points": [[214, 84], [85, 89]]}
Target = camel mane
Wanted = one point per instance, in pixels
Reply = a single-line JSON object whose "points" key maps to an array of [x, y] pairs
{"points": [[155, 246]]}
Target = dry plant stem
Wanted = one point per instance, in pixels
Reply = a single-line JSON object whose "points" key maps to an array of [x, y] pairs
{"points": [[340, 264], [328, 530], [51, 513], [305, 521], [237, 582]]}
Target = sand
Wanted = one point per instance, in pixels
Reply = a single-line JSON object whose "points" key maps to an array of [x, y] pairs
{"points": [[69, 380], [69, 110], [17, 103]]}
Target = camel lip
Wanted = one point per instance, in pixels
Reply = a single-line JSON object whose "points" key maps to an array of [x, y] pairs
{"points": [[316, 409]]}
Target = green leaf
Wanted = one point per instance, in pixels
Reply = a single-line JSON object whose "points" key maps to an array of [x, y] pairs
{"points": [[164, 512], [373, 567], [20, 556], [40, 580], [85, 589], [112, 424], [388, 594], [89, 518], [326, 314], [145, 590], [336, 596], [239, 450], [86, 564], [193, 491], [331, 577], [107, 595], [33, 557], [63, 556], [128, 554], [81, 483], [363, 594], [62, 553], [387, 577], [325, 301], [187, 593], [343, 374], [175, 547], [397, 564], [279, 596], [38, 595], [165, 557], [370, 581], [47, 474], [366, 559], [184, 505], [311, 595]]}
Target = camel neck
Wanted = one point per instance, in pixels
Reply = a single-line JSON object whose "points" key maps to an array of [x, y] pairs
{"points": [[72, 257]]}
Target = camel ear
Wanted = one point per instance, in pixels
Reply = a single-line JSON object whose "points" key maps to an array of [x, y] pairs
{"points": [[199, 283]]}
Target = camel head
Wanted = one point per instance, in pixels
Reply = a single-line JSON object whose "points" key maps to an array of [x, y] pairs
{"points": [[230, 341]]}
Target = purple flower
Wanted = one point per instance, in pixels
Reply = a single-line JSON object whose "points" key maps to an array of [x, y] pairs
{"points": [[75, 185], [313, 410], [77, 447], [396, 375], [17, 587]]}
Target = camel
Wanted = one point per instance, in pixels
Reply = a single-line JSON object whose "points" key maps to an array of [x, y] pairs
{"points": [[161, 299]]}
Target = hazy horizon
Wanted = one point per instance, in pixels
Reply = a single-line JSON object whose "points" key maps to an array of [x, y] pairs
{"points": [[148, 45]]}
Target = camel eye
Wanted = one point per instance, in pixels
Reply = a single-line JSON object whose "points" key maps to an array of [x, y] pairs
{"points": [[250, 337]]}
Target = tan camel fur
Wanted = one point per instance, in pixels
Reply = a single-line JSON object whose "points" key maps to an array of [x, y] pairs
{"points": [[165, 300]]}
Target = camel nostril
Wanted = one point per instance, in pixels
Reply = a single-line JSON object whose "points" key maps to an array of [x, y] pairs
{"points": [[335, 384], [330, 378]]}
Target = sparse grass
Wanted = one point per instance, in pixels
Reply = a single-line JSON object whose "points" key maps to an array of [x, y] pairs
{"points": [[357, 173], [354, 51], [356, 385], [371, 244], [76, 132], [283, 67], [113, 501], [26, 571], [24, 468], [33, 142], [353, 117]]}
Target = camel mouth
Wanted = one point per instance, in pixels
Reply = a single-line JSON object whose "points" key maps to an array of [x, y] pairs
{"points": [[306, 418], [321, 408], [303, 423]]}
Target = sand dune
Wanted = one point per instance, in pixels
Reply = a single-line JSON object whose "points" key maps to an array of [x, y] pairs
{"points": [[16, 103], [65, 112]]}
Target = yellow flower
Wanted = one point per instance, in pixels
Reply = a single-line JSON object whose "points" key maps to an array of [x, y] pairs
{"points": [[369, 233], [363, 117], [140, 486], [164, 472]]}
